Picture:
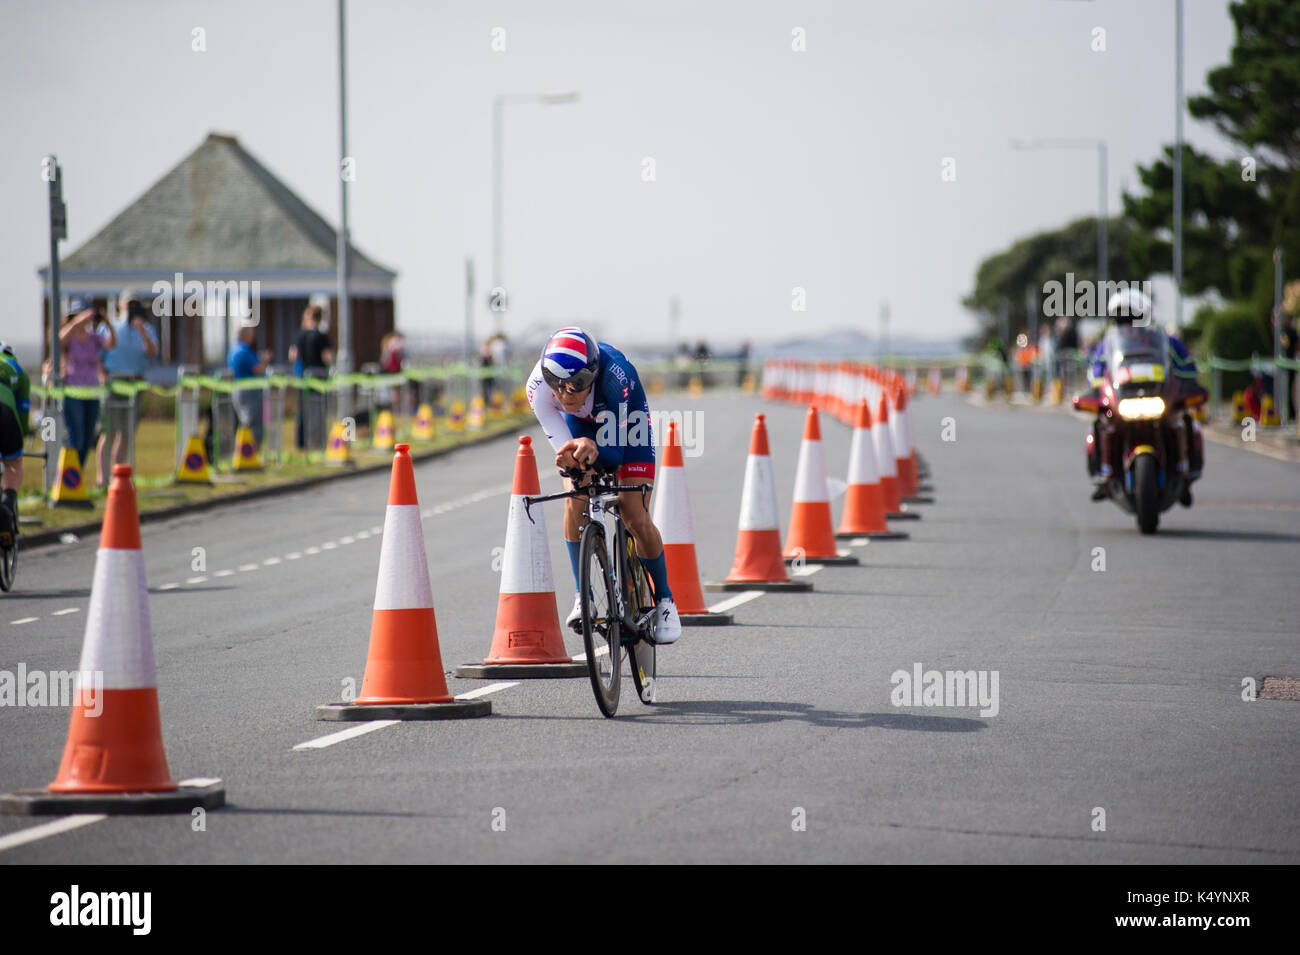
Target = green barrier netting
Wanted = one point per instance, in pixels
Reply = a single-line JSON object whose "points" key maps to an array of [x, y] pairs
{"points": [[227, 386]]}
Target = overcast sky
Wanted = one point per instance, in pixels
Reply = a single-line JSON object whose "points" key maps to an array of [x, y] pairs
{"points": [[775, 168]]}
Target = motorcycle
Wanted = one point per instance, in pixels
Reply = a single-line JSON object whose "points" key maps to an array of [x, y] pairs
{"points": [[1144, 450]]}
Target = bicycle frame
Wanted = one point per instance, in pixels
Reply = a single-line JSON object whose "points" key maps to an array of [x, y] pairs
{"points": [[602, 494]]}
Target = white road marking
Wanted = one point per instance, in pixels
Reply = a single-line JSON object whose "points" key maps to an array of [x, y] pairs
{"points": [[741, 598], [169, 586], [347, 540], [227, 572], [428, 512], [351, 732], [377, 529], [485, 690], [362, 535], [270, 561], [66, 610], [329, 545], [806, 570], [582, 657], [246, 568], [311, 550], [199, 781], [292, 555], [24, 836], [196, 580], [860, 542], [24, 620]]}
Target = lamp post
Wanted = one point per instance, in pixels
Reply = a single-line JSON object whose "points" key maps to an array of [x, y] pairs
{"points": [[497, 299], [1103, 252]]}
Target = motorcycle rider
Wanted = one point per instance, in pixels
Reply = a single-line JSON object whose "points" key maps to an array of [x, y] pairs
{"points": [[1133, 307]]}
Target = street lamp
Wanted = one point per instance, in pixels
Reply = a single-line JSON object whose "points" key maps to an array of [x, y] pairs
{"points": [[1033, 142], [498, 110]]}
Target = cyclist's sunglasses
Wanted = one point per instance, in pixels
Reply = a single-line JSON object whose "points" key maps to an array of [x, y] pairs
{"points": [[568, 388]]}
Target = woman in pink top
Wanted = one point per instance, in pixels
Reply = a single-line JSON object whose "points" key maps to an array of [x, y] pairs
{"points": [[84, 338]]}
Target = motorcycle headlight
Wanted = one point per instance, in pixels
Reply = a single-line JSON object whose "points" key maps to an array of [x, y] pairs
{"points": [[1134, 408]]}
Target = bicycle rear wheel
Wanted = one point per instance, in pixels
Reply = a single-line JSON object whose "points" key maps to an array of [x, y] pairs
{"points": [[600, 624]]}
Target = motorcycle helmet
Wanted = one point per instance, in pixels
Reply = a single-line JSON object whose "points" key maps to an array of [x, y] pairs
{"points": [[1128, 306]]}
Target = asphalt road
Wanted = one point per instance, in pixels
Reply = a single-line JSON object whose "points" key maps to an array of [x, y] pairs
{"points": [[1118, 690]]}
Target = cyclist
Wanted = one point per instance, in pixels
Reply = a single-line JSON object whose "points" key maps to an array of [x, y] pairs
{"points": [[15, 406], [591, 404]]}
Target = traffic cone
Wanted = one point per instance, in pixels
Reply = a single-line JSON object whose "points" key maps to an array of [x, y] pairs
{"points": [[423, 430], [527, 641], [881, 436], [456, 416], [909, 486], [194, 463], [113, 760], [672, 515], [338, 449], [403, 678], [245, 457], [70, 487], [864, 500], [811, 538], [758, 564], [384, 437]]}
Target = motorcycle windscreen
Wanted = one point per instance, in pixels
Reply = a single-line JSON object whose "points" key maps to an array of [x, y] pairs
{"points": [[1136, 354]]}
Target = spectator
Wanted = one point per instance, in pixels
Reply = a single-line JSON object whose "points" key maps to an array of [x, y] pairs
{"points": [[392, 358], [245, 362], [128, 360], [83, 340], [311, 354], [486, 360], [742, 368]]}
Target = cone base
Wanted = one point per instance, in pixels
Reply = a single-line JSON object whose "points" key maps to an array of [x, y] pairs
{"points": [[352, 712], [839, 560], [84, 505], [706, 619], [875, 535], [42, 802], [918, 500], [795, 586], [902, 516], [520, 671]]}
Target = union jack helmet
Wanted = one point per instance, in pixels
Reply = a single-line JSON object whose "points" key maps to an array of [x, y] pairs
{"points": [[570, 360]]}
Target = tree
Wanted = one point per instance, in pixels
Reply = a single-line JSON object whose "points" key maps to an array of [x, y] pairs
{"points": [[1235, 209], [1004, 279]]}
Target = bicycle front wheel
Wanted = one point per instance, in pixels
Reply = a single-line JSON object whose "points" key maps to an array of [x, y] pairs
{"points": [[600, 624], [8, 559]]}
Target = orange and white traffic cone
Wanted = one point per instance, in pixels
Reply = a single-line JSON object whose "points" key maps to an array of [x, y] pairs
{"points": [[864, 499], [672, 515], [403, 679], [811, 539], [113, 761], [758, 564], [909, 485], [527, 641], [882, 437]]}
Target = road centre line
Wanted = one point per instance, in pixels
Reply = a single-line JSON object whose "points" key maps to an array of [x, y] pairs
{"points": [[21, 620], [806, 570], [350, 733], [67, 823], [731, 602], [485, 690], [65, 610]]}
